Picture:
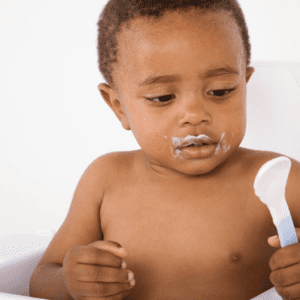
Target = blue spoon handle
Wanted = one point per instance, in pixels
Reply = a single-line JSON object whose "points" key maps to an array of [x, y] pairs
{"points": [[287, 232], [287, 236]]}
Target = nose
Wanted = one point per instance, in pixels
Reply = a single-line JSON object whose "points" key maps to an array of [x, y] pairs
{"points": [[195, 110]]}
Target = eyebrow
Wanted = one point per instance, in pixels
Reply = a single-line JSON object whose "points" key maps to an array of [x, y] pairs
{"points": [[176, 78]]}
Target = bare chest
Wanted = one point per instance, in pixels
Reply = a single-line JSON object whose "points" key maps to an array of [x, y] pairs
{"points": [[191, 245]]}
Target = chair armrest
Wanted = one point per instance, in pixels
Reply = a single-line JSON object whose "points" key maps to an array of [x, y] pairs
{"points": [[15, 272], [19, 255], [4, 296]]}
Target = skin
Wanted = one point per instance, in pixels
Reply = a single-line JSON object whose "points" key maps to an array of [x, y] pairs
{"points": [[192, 228], [187, 46]]}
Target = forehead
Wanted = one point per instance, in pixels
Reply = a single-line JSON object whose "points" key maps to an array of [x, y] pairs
{"points": [[186, 40]]}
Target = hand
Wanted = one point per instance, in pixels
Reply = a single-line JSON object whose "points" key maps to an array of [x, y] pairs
{"points": [[97, 271], [285, 268]]}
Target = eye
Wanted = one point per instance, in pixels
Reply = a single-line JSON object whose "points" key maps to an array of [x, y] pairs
{"points": [[167, 98], [161, 99], [221, 93]]}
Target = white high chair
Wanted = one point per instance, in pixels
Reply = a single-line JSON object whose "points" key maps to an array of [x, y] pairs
{"points": [[273, 123], [19, 255], [273, 108]]}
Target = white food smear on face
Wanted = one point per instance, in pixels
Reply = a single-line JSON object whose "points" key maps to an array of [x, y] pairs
{"points": [[224, 144], [225, 149], [176, 141]]}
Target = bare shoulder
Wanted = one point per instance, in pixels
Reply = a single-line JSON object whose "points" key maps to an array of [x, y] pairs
{"points": [[110, 164], [82, 225], [254, 159], [258, 155], [118, 163], [104, 171]]}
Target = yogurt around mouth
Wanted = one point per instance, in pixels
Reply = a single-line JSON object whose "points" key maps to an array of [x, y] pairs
{"points": [[176, 141], [198, 151]]}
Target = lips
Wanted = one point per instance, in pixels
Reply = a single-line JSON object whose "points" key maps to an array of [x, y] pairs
{"points": [[195, 145], [192, 140], [196, 142]]}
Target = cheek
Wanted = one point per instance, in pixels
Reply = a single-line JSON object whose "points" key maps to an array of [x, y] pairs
{"points": [[146, 127], [243, 116], [225, 142], [234, 127], [237, 119]]}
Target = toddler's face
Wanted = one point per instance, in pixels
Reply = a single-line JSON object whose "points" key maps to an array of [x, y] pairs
{"points": [[186, 46]]}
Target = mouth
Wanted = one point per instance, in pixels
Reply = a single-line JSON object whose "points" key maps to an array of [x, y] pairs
{"points": [[192, 141], [197, 145], [194, 145], [196, 150]]}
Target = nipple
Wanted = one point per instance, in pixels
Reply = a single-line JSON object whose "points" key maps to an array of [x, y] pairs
{"points": [[235, 257]]}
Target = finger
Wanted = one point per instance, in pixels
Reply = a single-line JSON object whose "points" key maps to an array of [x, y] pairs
{"points": [[94, 256], [95, 289], [119, 296], [298, 232], [274, 241], [284, 257], [112, 247], [285, 277], [92, 273], [289, 292]]}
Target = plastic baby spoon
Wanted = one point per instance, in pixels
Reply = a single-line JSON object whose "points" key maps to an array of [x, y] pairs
{"points": [[269, 186]]}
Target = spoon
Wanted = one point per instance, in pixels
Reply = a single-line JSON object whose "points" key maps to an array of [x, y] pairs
{"points": [[269, 186]]}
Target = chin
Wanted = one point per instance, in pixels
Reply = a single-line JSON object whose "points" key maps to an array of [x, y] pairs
{"points": [[198, 171]]}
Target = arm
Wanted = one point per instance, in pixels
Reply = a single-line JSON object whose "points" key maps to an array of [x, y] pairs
{"points": [[81, 227], [47, 282]]}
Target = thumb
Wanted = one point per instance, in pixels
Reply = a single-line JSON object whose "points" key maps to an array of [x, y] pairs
{"points": [[274, 241], [110, 246]]}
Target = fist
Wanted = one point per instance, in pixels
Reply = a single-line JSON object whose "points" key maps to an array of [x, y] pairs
{"points": [[97, 270], [285, 268]]}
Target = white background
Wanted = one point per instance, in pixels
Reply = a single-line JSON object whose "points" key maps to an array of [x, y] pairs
{"points": [[53, 120]]}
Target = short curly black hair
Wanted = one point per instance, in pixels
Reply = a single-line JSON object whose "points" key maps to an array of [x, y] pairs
{"points": [[117, 12]]}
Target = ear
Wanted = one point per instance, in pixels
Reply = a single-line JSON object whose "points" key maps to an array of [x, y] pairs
{"points": [[111, 98], [250, 71]]}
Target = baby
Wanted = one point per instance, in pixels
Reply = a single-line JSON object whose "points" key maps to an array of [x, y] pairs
{"points": [[178, 218]]}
